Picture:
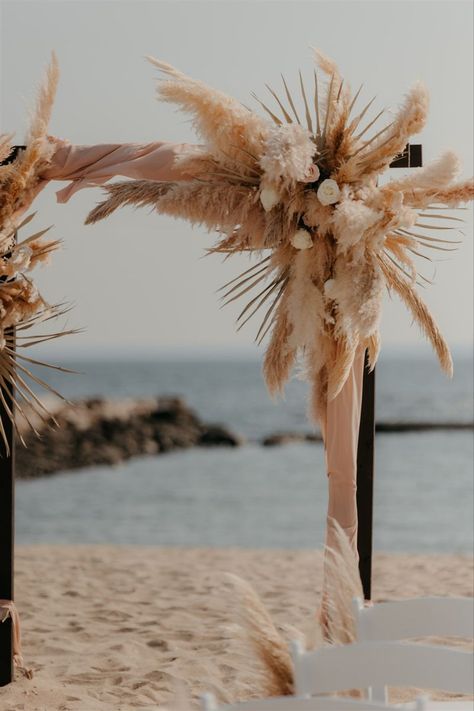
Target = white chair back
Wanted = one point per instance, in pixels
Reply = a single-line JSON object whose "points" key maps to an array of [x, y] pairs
{"points": [[416, 617], [379, 664], [294, 703]]}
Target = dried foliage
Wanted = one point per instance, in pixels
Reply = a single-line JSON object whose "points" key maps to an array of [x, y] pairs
{"points": [[257, 632], [21, 305], [264, 638], [300, 188]]}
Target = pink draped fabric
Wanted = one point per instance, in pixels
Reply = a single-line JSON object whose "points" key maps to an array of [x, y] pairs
{"points": [[341, 434], [93, 165], [88, 166]]}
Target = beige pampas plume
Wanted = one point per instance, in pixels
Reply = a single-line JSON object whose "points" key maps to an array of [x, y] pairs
{"points": [[326, 64], [280, 355], [451, 196], [209, 204], [139, 193], [265, 639], [436, 174], [409, 121], [5, 146], [341, 585], [288, 155], [45, 101], [420, 313], [232, 130]]}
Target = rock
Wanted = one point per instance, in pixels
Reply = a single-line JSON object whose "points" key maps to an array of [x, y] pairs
{"points": [[218, 436], [279, 438], [106, 432]]}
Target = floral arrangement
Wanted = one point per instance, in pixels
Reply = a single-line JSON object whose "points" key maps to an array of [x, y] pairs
{"points": [[300, 188], [21, 305]]}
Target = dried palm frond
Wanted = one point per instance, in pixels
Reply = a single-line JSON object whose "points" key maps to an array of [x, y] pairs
{"points": [[16, 374]]}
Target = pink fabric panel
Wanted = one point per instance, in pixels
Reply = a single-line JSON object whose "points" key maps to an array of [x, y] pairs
{"points": [[340, 440], [86, 166]]}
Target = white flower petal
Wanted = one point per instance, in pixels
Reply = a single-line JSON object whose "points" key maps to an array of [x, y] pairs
{"points": [[302, 239], [269, 198], [328, 192]]}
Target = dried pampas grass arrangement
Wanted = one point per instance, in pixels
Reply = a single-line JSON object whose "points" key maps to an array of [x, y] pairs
{"points": [[299, 187], [22, 307]]}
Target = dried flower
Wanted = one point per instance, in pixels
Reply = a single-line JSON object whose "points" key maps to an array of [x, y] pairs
{"points": [[328, 192], [269, 197], [312, 175], [302, 239]]}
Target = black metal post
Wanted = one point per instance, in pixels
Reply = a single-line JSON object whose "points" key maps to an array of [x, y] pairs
{"points": [[7, 508], [7, 493], [365, 479], [411, 158]]}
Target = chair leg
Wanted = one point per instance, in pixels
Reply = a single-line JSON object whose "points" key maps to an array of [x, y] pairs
{"points": [[379, 694], [208, 702]]}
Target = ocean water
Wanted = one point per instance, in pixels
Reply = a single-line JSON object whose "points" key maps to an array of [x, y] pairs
{"points": [[255, 496]]}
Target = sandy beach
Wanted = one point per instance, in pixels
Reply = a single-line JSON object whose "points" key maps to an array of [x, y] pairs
{"points": [[120, 628]]}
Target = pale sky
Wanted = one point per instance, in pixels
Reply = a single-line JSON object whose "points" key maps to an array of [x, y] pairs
{"points": [[137, 280]]}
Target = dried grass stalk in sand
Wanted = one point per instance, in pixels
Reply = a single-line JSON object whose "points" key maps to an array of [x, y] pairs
{"points": [[300, 184], [266, 641], [22, 308], [341, 584]]}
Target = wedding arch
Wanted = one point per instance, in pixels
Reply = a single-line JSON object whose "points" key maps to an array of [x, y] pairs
{"points": [[298, 186]]}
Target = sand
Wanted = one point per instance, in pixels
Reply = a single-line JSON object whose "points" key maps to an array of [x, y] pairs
{"points": [[122, 628]]}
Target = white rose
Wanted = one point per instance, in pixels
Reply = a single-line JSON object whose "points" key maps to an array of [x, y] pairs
{"points": [[269, 198], [302, 239], [21, 257], [328, 192]]}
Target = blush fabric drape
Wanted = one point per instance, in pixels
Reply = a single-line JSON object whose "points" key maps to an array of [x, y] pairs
{"points": [[341, 436], [89, 166], [86, 166]]}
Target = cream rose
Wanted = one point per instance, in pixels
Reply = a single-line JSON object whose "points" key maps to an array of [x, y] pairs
{"points": [[269, 198], [302, 239], [328, 192]]}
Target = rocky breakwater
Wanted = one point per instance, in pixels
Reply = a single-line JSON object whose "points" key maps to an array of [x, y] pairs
{"points": [[100, 432]]}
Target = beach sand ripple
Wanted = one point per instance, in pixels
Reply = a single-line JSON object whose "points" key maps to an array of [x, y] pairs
{"points": [[120, 628]]}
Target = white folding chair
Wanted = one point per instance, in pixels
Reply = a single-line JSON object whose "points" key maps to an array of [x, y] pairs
{"points": [[414, 617], [295, 703], [379, 664]]}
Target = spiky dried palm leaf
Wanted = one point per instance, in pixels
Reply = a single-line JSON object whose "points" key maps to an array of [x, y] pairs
{"points": [[300, 186]]}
